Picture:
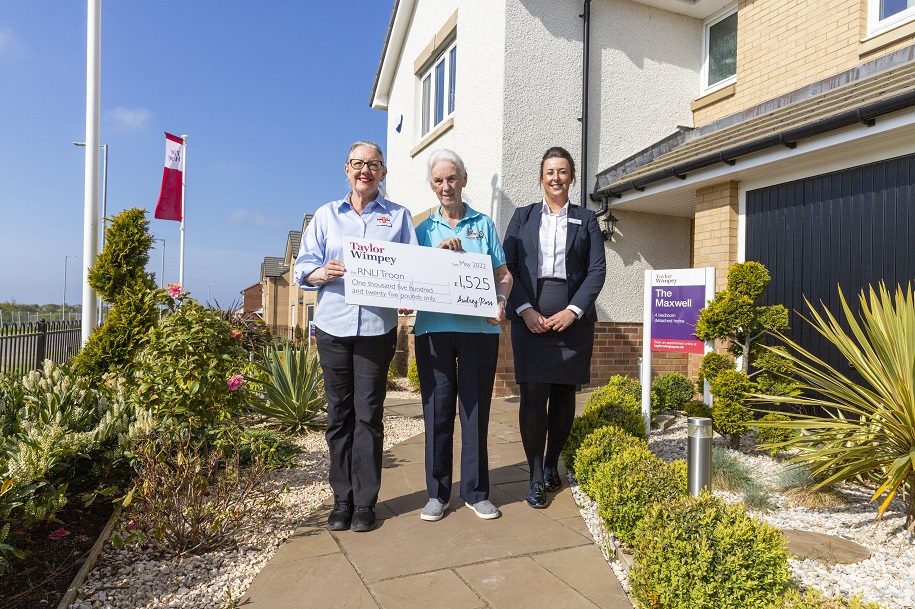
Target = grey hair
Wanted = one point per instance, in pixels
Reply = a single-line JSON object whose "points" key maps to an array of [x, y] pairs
{"points": [[367, 144], [445, 156]]}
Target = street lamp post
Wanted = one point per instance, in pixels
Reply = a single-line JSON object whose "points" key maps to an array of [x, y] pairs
{"points": [[63, 302], [208, 292]]}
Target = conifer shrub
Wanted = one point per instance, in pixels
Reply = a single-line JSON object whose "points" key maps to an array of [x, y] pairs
{"points": [[700, 553], [413, 375], [730, 415], [697, 408], [769, 437], [606, 406], [670, 391], [712, 365], [628, 483], [598, 448], [120, 278]]}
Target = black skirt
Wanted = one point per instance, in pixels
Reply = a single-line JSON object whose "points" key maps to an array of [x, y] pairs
{"points": [[562, 358]]}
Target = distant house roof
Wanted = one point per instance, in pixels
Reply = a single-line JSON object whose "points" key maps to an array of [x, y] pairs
{"points": [[855, 96], [256, 285], [292, 243], [273, 267]]}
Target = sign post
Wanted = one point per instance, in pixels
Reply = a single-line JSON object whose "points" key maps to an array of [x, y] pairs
{"points": [[673, 299]]}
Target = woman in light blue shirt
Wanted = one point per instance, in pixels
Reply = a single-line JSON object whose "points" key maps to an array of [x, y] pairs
{"points": [[448, 343], [356, 343]]}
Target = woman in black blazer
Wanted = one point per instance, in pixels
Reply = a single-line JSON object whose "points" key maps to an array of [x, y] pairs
{"points": [[555, 253]]}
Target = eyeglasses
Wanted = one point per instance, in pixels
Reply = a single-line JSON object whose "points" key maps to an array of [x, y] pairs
{"points": [[358, 164]]}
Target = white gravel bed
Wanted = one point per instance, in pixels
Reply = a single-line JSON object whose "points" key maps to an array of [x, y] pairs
{"points": [[887, 577], [138, 578]]}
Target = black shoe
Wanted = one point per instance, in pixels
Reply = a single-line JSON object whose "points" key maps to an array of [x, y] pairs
{"points": [[363, 519], [551, 480], [536, 498], [340, 517]]}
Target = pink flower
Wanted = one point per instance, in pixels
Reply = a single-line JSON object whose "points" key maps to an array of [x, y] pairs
{"points": [[58, 534], [131, 525], [174, 290], [84, 538], [235, 382], [236, 333]]}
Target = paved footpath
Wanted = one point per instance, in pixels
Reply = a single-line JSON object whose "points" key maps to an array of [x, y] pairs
{"points": [[527, 559]]}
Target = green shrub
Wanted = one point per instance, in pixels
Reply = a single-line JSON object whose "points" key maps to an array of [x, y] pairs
{"points": [[729, 414], [120, 277], [712, 365], [670, 391], [189, 372], [769, 437], [628, 483], [293, 387], [606, 406], [626, 385], [413, 375], [699, 553], [598, 448], [697, 408], [274, 450]]}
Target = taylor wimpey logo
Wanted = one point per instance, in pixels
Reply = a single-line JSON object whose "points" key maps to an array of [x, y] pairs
{"points": [[370, 252], [384, 221], [664, 279], [174, 155]]}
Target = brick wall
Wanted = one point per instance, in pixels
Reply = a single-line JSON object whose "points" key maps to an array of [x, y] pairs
{"points": [[715, 236], [617, 349], [783, 45]]}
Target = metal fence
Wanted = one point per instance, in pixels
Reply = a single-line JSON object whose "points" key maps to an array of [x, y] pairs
{"points": [[23, 347]]}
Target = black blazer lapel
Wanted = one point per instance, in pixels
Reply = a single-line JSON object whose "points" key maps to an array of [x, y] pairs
{"points": [[574, 226], [532, 241]]}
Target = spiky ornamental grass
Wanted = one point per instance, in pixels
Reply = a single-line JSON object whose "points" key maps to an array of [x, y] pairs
{"points": [[869, 430]]}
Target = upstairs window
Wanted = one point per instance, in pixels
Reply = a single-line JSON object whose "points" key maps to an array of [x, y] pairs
{"points": [[719, 50], [887, 14], [437, 92]]}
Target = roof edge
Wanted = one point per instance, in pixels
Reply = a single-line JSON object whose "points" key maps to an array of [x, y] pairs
{"points": [[394, 40]]}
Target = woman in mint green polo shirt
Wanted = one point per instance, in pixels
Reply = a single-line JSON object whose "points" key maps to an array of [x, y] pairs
{"points": [[446, 343]]}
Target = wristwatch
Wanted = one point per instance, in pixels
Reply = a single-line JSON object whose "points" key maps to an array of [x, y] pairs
{"points": [[502, 297]]}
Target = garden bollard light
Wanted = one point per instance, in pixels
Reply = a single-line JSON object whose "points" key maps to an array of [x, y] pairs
{"points": [[699, 455]]}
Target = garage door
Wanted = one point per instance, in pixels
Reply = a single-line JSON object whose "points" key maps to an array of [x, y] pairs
{"points": [[852, 228]]}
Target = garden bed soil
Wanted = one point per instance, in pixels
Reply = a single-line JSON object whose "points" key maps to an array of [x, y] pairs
{"points": [[53, 559]]}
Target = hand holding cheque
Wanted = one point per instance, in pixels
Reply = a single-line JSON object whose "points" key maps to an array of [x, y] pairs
{"points": [[395, 275]]}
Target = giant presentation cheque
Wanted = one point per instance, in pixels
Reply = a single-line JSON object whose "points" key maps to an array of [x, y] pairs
{"points": [[398, 276]]}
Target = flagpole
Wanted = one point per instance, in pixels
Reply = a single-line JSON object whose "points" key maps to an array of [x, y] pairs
{"points": [[183, 180], [90, 192]]}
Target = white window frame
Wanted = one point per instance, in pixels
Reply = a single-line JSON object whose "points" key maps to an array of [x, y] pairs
{"points": [[875, 25], [706, 28], [426, 105]]}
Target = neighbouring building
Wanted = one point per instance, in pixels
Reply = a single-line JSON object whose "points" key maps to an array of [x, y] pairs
{"points": [[713, 131], [287, 309]]}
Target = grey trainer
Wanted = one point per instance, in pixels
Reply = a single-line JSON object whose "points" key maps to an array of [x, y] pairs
{"points": [[485, 509], [434, 510]]}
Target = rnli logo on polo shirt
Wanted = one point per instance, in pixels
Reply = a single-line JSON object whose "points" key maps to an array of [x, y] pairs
{"points": [[474, 235], [384, 221]]}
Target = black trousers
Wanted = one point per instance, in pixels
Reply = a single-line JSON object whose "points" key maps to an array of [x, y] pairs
{"points": [[355, 381], [457, 367], [545, 427]]}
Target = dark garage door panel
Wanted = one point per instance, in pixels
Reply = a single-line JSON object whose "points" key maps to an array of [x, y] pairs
{"points": [[852, 228]]}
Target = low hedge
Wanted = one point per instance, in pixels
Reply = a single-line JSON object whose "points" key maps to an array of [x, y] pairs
{"points": [[598, 448], [628, 483], [699, 553], [607, 406]]}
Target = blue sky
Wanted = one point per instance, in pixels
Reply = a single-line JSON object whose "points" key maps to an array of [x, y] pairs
{"points": [[270, 94]]}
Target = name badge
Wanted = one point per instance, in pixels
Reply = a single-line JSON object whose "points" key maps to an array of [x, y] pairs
{"points": [[474, 235], [575, 221], [383, 221]]}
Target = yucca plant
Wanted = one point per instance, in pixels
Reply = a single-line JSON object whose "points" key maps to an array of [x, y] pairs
{"points": [[869, 430], [293, 387]]}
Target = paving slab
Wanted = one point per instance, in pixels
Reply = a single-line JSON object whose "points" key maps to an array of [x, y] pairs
{"points": [[329, 582], [522, 582], [825, 548], [306, 542], [559, 505], [438, 590], [585, 569], [460, 538]]}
